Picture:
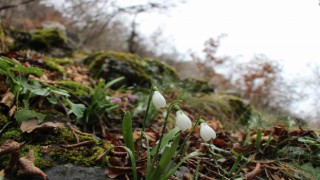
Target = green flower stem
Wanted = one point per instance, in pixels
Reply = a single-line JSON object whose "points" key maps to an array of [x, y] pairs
{"points": [[198, 122], [163, 131], [145, 118]]}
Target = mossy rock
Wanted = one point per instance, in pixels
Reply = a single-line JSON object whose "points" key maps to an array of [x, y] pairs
{"points": [[241, 109], [74, 87], [3, 47], [50, 41], [222, 107], [43, 39], [196, 85], [137, 71]]}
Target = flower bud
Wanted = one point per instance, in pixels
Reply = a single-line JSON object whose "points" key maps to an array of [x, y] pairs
{"points": [[183, 121], [206, 132], [158, 100]]}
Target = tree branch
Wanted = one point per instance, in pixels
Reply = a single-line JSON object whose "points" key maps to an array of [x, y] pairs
{"points": [[15, 5]]}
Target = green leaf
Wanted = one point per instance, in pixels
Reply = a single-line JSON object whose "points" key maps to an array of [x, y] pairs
{"points": [[52, 99], [76, 109], [171, 171], [259, 138], [26, 114], [41, 91], [27, 70], [168, 153], [110, 83], [127, 131], [235, 165], [165, 140], [196, 174], [148, 170]]}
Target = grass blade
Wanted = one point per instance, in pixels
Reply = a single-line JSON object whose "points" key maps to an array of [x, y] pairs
{"points": [[235, 165]]}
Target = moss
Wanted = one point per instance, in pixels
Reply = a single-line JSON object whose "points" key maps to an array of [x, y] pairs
{"points": [[3, 47], [137, 71], [44, 39], [3, 120], [54, 66], [60, 61], [196, 85], [62, 136], [13, 134], [74, 87], [84, 156], [240, 108], [39, 156], [225, 108]]}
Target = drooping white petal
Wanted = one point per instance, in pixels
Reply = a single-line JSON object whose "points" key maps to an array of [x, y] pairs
{"points": [[206, 132], [158, 100], [183, 121]]}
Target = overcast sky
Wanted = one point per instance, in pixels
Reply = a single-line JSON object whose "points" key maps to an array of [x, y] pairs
{"points": [[286, 30], [283, 30]]}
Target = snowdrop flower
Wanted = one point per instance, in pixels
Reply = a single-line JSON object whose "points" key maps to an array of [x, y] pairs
{"points": [[183, 121], [158, 100], [206, 132]]}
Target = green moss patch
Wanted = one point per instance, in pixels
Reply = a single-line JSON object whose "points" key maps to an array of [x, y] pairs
{"points": [[137, 71]]}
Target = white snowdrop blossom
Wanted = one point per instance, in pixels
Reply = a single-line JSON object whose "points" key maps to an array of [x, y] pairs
{"points": [[158, 100], [183, 121], [206, 132]]}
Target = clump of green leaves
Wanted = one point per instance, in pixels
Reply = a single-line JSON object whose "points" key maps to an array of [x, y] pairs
{"points": [[20, 85], [99, 103]]}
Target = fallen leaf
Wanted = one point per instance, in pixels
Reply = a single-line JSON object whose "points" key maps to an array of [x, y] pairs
{"points": [[150, 135], [9, 146], [32, 125], [7, 100], [27, 166], [12, 147], [254, 172], [12, 111], [116, 171]]}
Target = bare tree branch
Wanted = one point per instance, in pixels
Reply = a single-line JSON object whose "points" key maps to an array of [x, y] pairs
{"points": [[15, 5]]}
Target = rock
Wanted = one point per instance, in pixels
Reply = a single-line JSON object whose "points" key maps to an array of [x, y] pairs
{"points": [[222, 107], [51, 41], [137, 71], [67, 172], [195, 86]]}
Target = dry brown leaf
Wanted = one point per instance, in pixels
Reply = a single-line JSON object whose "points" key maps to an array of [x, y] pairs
{"points": [[12, 111], [9, 146], [257, 170], [116, 171], [7, 100], [27, 166], [1, 174], [31, 125], [150, 135]]}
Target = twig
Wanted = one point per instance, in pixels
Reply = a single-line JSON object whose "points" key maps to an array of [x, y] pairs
{"points": [[84, 143], [15, 5]]}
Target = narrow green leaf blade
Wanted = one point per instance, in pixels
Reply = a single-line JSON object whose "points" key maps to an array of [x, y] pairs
{"points": [[168, 153], [127, 131], [168, 174], [109, 84], [165, 140]]}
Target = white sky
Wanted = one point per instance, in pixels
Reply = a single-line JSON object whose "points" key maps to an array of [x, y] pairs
{"points": [[286, 30]]}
